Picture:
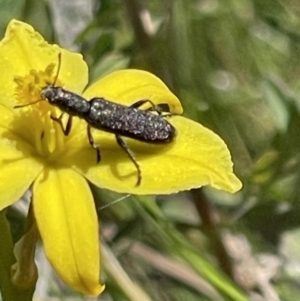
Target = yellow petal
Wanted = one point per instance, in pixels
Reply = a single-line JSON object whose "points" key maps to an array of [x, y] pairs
{"points": [[16, 173], [17, 168], [67, 221], [6, 118], [130, 85], [196, 158], [23, 49]]}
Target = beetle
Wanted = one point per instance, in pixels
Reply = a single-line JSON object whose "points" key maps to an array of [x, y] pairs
{"points": [[102, 114]]}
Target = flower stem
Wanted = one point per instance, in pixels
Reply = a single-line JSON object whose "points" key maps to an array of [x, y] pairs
{"points": [[212, 228], [9, 291]]}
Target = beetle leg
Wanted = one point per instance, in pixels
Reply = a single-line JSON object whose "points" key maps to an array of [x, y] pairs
{"points": [[124, 146], [153, 107], [93, 143], [66, 130]]}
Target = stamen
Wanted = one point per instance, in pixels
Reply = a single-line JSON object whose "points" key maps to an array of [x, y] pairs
{"points": [[28, 94]]}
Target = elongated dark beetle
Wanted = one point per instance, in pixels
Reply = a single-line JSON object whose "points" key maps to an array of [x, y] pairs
{"points": [[105, 115]]}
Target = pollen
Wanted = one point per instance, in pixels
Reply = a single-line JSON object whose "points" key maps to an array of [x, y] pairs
{"points": [[28, 88], [46, 135]]}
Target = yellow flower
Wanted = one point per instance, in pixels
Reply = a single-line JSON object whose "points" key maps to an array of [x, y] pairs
{"points": [[34, 151]]}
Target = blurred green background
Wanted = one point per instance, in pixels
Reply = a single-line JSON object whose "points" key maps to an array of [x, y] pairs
{"points": [[235, 66]]}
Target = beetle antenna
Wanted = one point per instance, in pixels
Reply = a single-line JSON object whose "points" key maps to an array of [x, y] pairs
{"points": [[27, 104], [58, 70]]}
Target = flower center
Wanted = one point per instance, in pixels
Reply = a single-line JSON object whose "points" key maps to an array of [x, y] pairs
{"points": [[34, 118], [29, 88]]}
